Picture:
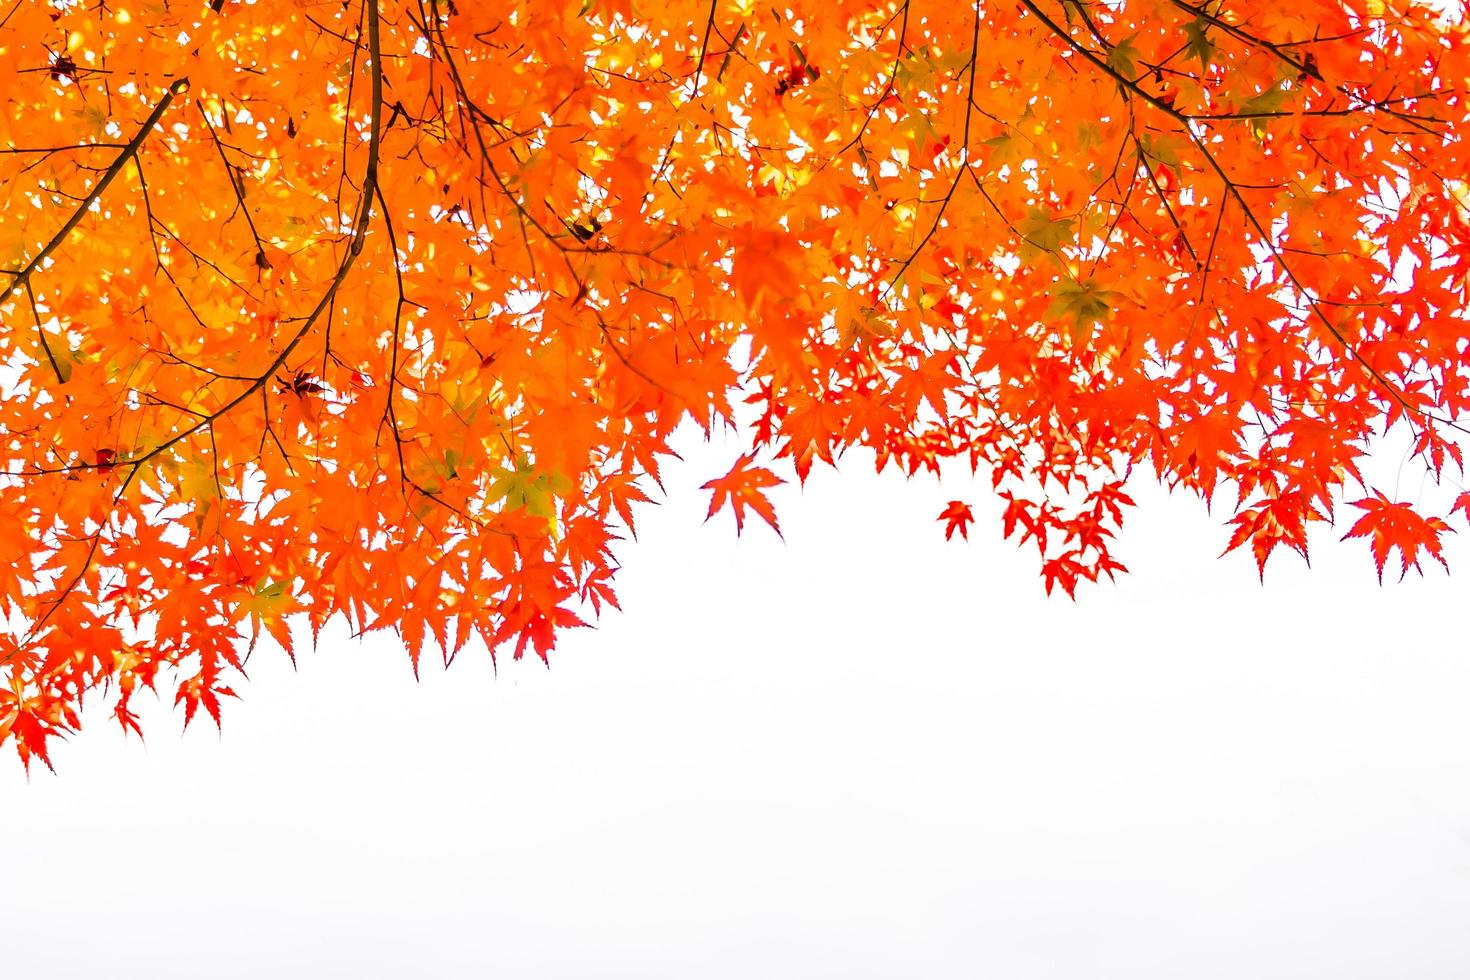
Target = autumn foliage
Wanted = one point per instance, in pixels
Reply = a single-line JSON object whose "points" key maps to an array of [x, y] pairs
{"points": [[388, 308]]}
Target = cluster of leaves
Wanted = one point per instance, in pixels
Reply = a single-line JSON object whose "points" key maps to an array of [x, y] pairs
{"points": [[388, 308]]}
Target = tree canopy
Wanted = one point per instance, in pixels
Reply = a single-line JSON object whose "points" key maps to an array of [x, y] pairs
{"points": [[389, 308]]}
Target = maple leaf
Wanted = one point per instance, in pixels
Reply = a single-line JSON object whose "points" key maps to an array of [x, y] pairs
{"points": [[1200, 46], [29, 729], [1065, 570], [744, 486], [1279, 519], [958, 517], [1393, 525], [198, 690], [1043, 233], [1259, 109], [1462, 504], [1085, 303], [536, 628], [126, 718], [1122, 57]]}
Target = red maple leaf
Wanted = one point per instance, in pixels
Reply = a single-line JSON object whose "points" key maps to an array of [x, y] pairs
{"points": [[959, 517], [744, 486], [1395, 525], [1462, 503]]}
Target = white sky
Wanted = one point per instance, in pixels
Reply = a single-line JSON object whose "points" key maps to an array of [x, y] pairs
{"points": [[860, 753]]}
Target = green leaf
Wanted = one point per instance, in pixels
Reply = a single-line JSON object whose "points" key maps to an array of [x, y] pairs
{"points": [[1270, 100], [1086, 303], [1123, 58], [1199, 44], [1043, 233], [1164, 149], [536, 491]]}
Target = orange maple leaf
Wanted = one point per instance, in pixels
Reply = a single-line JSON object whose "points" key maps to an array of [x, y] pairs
{"points": [[743, 487]]}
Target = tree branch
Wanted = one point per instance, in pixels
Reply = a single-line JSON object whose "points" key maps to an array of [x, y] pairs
{"points": [[21, 278]]}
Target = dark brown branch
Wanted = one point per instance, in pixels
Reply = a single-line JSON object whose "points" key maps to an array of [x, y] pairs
{"points": [[22, 277], [964, 166], [359, 239]]}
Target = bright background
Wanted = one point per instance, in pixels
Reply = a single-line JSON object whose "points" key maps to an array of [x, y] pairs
{"points": [[860, 752]]}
